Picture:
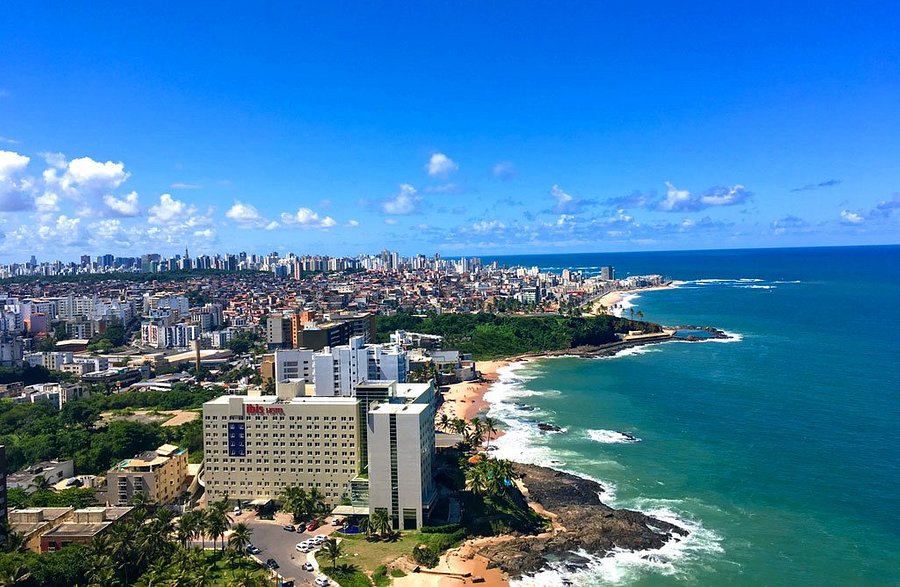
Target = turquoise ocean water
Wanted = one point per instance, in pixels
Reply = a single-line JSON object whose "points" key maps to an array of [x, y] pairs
{"points": [[780, 451]]}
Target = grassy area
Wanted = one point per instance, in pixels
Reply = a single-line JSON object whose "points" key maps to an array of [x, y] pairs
{"points": [[223, 573]]}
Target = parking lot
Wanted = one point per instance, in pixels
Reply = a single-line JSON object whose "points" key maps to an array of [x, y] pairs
{"points": [[277, 543]]}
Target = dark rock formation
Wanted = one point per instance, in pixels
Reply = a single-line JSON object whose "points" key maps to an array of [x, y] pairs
{"points": [[589, 525]]}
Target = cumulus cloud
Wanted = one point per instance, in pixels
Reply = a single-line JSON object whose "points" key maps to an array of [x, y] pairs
{"points": [[503, 170], [125, 206], [352, 223], [440, 165], [851, 218], [169, 210], [15, 188], [568, 204], [306, 218], [406, 201], [247, 216]]}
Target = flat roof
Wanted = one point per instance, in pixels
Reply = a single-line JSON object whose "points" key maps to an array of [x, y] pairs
{"points": [[275, 400], [398, 408]]}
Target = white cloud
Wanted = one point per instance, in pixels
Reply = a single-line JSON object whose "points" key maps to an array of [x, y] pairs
{"points": [[16, 192], [488, 226], [86, 174], [851, 218], [724, 196], [11, 163], [562, 198], [306, 218], [125, 206], [206, 233], [405, 202], [246, 215], [391, 221], [169, 210], [272, 225], [180, 185], [675, 198], [352, 223], [56, 160], [440, 165]]}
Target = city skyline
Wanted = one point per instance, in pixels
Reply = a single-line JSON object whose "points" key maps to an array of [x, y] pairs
{"points": [[465, 130]]}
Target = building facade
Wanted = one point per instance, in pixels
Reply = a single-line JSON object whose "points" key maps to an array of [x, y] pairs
{"points": [[255, 447], [158, 475]]}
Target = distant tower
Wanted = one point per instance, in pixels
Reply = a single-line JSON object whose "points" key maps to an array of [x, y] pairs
{"points": [[186, 256], [197, 354]]}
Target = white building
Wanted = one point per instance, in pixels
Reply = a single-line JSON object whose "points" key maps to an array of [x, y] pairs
{"points": [[339, 369], [401, 451]]}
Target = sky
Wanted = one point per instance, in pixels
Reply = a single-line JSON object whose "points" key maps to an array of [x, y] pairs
{"points": [[464, 127]]}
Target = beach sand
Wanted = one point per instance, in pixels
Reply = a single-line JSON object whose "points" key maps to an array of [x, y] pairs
{"points": [[614, 298], [466, 400], [460, 566]]}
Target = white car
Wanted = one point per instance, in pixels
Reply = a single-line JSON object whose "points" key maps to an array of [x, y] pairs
{"points": [[302, 547], [318, 540], [307, 567], [322, 581]]}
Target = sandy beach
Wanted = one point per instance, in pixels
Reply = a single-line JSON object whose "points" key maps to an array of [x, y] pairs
{"points": [[466, 400], [614, 298]]}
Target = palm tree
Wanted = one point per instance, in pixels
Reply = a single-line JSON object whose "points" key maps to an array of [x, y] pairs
{"points": [[332, 549], [295, 500], [17, 575], [240, 537], [490, 427], [476, 478], [216, 522], [380, 522], [189, 527], [459, 425], [444, 421], [316, 501]]}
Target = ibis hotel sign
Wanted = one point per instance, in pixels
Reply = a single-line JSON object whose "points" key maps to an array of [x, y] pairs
{"points": [[258, 409]]}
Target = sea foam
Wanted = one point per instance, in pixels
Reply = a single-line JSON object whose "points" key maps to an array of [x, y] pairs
{"points": [[522, 442], [611, 437]]}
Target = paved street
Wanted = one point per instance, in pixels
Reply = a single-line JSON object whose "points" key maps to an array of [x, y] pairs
{"points": [[275, 542]]}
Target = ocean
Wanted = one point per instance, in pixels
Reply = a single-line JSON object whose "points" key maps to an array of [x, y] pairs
{"points": [[779, 450]]}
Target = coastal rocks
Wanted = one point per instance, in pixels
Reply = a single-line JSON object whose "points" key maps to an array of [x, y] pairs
{"points": [[588, 525], [545, 427]]}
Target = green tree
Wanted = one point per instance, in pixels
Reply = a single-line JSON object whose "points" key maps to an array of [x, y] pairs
{"points": [[332, 549]]}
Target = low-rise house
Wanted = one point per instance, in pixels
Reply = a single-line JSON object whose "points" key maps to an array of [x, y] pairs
{"points": [[46, 473], [33, 523], [84, 525]]}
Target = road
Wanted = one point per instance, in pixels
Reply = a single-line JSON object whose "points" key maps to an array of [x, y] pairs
{"points": [[275, 542]]}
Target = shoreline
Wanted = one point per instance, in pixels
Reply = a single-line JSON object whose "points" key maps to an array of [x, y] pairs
{"points": [[611, 299]]}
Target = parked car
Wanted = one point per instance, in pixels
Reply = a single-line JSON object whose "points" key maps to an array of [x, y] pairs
{"points": [[318, 540], [321, 581], [338, 522], [312, 525], [308, 567], [272, 563], [288, 527], [252, 549]]}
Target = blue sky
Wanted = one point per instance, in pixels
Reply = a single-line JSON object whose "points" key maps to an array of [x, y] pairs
{"points": [[458, 127]]}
